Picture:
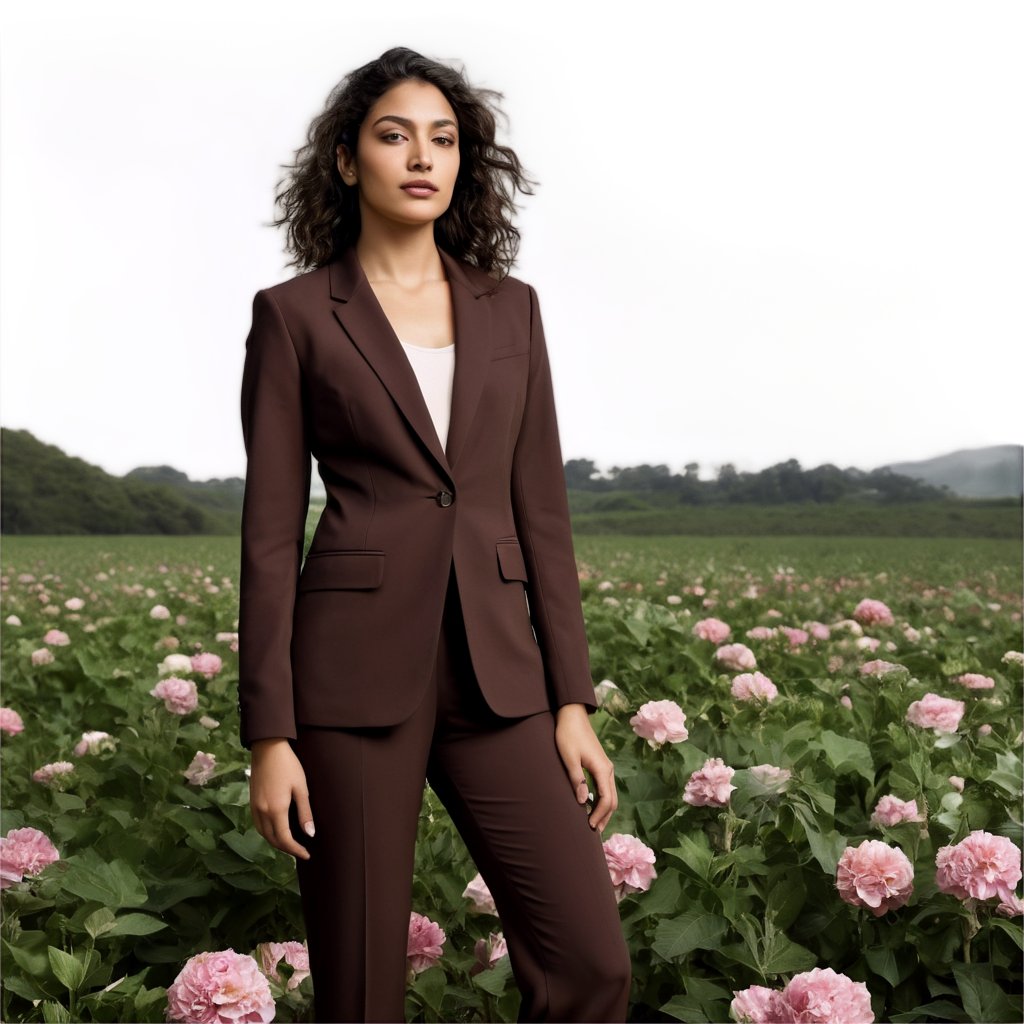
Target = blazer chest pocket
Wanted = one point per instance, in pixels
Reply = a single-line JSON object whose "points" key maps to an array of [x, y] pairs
{"points": [[510, 560], [515, 349], [342, 570]]}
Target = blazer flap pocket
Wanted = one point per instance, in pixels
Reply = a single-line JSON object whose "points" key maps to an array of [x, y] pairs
{"points": [[515, 349], [342, 570], [510, 560]]}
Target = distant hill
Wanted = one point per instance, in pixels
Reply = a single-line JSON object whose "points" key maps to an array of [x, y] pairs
{"points": [[46, 491], [995, 472]]}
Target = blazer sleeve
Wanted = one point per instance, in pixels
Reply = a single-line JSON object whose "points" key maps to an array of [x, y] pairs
{"points": [[274, 509], [540, 506]]}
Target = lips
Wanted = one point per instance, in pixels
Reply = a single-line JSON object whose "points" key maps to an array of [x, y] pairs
{"points": [[420, 187]]}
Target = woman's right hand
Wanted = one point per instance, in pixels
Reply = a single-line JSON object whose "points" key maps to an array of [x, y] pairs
{"points": [[276, 779]]}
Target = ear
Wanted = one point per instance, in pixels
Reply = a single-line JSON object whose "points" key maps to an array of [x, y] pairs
{"points": [[346, 164]]}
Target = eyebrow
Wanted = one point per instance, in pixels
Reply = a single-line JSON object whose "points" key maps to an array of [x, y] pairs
{"points": [[408, 124]]}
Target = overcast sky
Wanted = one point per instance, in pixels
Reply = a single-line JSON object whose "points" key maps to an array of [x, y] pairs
{"points": [[764, 230]]}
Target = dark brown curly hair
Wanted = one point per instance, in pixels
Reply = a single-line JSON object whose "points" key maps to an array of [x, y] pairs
{"points": [[322, 212]]}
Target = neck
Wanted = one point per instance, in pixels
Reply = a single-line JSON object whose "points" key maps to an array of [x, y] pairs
{"points": [[399, 254]]}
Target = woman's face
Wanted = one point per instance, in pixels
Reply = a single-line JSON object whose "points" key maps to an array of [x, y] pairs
{"points": [[410, 134]]}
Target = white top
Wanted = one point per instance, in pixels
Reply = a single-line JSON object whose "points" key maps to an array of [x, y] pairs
{"points": [[435, 370]]}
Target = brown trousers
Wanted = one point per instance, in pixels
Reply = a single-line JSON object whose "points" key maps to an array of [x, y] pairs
{"points": [[507, 792]]}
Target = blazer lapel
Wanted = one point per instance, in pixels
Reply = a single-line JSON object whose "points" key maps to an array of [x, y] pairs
{"points": [[364, 321]]}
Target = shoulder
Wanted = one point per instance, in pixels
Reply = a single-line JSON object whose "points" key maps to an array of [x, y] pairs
{"points": [[300, 288], [510, 288]]}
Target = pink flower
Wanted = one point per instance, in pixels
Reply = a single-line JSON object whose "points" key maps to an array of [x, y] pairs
{"points": [[822, 996], [94, 742], [873, 613], [878, 667], [818, 630], [973, 681], [488, 952], [874, 875], [294, 953], [754, 686], [979, 867], [935, 712], [53, 773], [159, 611], [224, 987], [178, 695], [761, 633], [957, 782], [10, 721], [201, 770], [74, 604], [174, 663], [714, 630], [24, 851], [477, 891], [709, 786], [846, 702], [42, 656], [867, 643], [1013, 907], [425, 940], [738, 657], [774, 779], [630, 864], [56, 638], [206, 664], [759, 1005], [660, 722], [795, 636], [891, 810]]}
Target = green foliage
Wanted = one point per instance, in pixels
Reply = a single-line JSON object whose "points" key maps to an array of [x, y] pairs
{"points": [[49, 492], [154, 869]]}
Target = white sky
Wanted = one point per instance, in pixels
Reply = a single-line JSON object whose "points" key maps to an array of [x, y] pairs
{"points": [[764, 230]]}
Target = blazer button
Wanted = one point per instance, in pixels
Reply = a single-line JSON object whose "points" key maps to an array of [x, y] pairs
{"points": [[444, 498]]}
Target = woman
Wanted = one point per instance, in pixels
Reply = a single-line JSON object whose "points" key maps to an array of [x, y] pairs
{"points": [[434, 630]]}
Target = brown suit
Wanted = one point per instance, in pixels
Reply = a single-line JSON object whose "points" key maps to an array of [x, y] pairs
{"points": [[404, 650], [350, 640]]}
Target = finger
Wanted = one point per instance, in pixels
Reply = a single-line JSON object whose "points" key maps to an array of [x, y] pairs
{"points": [[305, 814], [607, 802], [283, 836]]}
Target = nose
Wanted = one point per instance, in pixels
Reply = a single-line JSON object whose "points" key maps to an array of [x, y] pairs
{"points": [[420, 155]]}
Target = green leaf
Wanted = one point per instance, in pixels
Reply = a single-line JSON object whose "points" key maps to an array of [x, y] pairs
{"points": [[783, 956], [251, 846], [112, 883], [494, 979], [882, 961], [696, 856], [1007, 774], [136, 924], [430, 986], [68, 971], [55, 1013], [983, 999], [826, 846], [663, 897], [846, 755], [696, 929], [1012, 929], [99, 921]]}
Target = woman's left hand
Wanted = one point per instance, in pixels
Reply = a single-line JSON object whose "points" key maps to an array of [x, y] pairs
{"points": [[580, 748]]}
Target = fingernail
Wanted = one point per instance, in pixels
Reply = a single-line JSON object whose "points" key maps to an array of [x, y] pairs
{"points": [[308, 827]]}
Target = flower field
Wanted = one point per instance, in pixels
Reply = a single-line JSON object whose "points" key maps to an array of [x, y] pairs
{"points": [[818, 758]]}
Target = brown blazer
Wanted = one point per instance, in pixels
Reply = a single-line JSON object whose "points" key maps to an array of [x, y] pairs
{"points": [[348, 638]]}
